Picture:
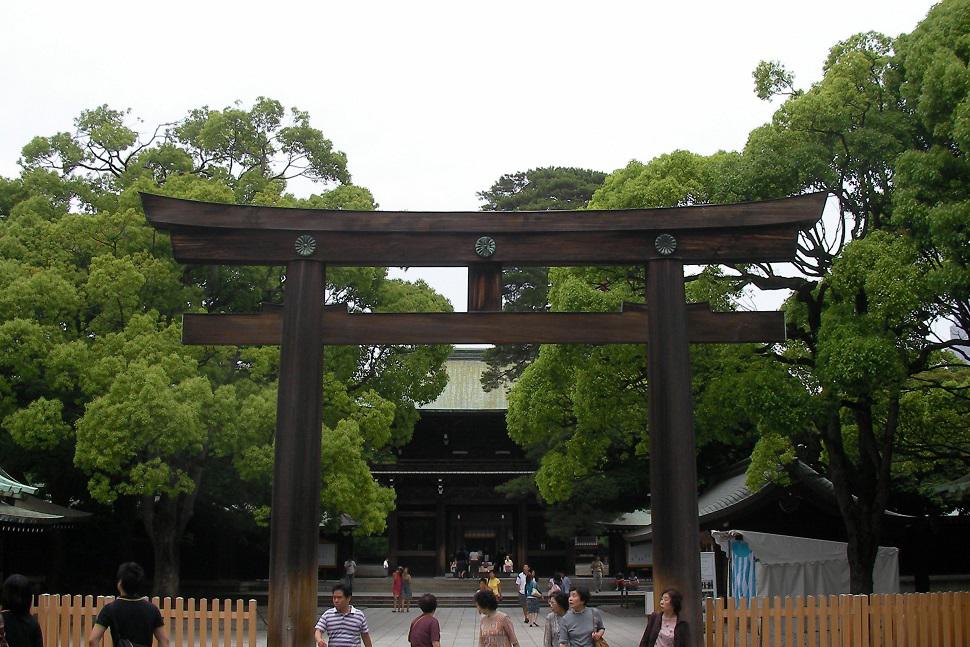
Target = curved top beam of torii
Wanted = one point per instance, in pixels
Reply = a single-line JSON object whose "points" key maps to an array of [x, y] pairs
{"points": [[206, 232]]}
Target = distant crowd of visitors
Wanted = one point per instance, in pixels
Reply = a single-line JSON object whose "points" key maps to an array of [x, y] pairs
{"points": [[466, 564], [570, 622]]}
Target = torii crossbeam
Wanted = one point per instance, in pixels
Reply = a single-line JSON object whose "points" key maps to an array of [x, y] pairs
{"points": [[307, 240]]}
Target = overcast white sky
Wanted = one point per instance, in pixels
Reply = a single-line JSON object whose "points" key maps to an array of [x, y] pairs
{"points": [[431, 101]]}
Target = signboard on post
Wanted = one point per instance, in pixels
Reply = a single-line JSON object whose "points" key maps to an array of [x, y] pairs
{"points": [[326, 554], [708, 575]]}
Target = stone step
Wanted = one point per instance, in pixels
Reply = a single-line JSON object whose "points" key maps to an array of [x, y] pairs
{"points": [[445, 584], [365, 600], [375, 592]]}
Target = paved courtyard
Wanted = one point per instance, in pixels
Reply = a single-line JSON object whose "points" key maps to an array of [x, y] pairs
{"points": [[458, 627]]}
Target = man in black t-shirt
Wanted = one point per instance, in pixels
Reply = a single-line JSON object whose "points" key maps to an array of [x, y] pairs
{"points": [[131, 617]]}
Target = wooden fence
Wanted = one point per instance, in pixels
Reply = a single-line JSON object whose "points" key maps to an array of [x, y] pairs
{"points": [[66, 621], [904, 620]]}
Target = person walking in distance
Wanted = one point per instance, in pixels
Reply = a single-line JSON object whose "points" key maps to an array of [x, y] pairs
{"points": [[343, 624], [425, 630], [621, 587], [495, 585], [597, 570], [132, 619], [520, 581], [567, 584], [406, 589], [532, 597], [397, 584], [495, 628], [350, 568]]}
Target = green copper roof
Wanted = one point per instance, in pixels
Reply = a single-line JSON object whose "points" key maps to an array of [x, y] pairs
{"points": [[10, 486], [464, 391]]}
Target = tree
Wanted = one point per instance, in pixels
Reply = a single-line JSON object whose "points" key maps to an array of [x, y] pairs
{"points": [[581, 411], [861, 339], [862, 390], [90, 306], [526, 289], [931, 199]]}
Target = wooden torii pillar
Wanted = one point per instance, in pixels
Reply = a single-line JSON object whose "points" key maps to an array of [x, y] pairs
{"points": [[307, 240]]}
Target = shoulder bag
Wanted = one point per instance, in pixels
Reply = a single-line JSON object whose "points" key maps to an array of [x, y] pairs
{"points": [[598, 621]]}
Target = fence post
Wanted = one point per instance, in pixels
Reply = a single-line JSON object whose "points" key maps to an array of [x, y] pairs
{"points": [[718, 622], [204, 612], [251, 619], [962, 624], [227, 622]]}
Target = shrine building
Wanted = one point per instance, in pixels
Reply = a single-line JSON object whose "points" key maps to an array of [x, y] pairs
{"points": [[445, 480]]}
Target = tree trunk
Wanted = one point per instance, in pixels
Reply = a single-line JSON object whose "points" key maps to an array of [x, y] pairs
{"points": [[861, 487], [861, 552], [165, 520], [167, 556]]}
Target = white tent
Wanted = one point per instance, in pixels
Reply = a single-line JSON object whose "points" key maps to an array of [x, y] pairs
{"points": [[785, 565]]}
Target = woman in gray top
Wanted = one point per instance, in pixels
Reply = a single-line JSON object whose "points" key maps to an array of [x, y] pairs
{"points": [[559, 603], [580, 626]]}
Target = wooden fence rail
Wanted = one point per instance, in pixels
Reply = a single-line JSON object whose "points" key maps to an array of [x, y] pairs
{"points": [[903, 620], [66, 621]]}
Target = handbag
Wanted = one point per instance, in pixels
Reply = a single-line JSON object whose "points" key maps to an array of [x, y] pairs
{"points": [[598, 620]]}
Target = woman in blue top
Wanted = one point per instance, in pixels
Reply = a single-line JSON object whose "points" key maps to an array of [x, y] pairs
{"points": [[532, 596]]}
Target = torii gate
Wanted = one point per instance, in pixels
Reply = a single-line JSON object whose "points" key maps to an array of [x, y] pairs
{"points": [[307, 240]]}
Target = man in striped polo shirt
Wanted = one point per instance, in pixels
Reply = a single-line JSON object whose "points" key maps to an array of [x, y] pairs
{"points": [[344, 625]]}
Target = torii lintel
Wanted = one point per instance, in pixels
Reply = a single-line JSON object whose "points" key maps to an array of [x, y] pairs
{"points": [[206, 232], [340, 327]]}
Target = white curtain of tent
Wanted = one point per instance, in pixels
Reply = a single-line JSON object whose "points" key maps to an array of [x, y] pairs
{"points": [[786, 565]]}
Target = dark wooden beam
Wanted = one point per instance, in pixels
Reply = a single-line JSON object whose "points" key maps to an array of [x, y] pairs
{"points": [[232, 234], [168, 213], [342, 328], [259, 247], [484, 287], [294, 521], [673, 456]]}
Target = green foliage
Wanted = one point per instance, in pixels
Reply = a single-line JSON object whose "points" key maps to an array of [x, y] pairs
{"points": [[771, 455], [880, 132], [772, 79], [851, 390], [932, 199], [582, 410], [94, 379], [674, 179], [38, 426], [542, 189], [526, 289], [934, 440]]}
